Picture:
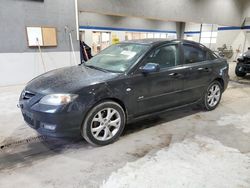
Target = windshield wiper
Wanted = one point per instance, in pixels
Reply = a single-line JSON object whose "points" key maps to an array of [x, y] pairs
{"points": [[97, 68]]}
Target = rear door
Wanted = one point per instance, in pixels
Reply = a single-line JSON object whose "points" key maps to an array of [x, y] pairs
{"points": [[198, 63]]}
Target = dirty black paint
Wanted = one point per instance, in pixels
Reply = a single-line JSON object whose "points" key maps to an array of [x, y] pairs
{"points": [[149, 93]]}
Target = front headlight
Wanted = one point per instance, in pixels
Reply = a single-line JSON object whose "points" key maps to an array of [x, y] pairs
{"points": [[58, 99]]}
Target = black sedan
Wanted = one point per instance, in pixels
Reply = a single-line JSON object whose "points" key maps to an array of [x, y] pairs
{"points": [[123, 83]]}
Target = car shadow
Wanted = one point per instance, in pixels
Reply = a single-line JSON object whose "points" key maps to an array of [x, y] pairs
{"points": [[241, 80], [26, 153]]}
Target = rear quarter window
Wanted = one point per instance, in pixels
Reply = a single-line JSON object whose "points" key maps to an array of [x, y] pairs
{"points": [[195, 54], [211, 56]]}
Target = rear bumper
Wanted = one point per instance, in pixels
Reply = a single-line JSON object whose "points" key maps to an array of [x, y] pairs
{"points": [[224, 76], [225, 80]]}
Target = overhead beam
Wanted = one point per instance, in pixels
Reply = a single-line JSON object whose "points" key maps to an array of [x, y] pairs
{"points": [[222, 12]]}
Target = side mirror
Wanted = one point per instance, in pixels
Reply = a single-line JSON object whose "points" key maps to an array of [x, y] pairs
{"points": [[150, 67]]}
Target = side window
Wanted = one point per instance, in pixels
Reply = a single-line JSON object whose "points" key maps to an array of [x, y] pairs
{"points": [[193, 54], [166, 56]]}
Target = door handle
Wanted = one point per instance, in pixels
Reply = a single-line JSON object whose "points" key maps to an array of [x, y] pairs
{"points": [[174, 74], [204, 69], [200, 69]]}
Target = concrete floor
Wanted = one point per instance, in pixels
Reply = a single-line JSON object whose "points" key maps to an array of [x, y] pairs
{"points": [[32, 161]]}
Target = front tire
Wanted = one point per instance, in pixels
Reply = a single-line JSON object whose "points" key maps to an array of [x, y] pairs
{"points": [[104, 123], [212, 96], [239, 72]]}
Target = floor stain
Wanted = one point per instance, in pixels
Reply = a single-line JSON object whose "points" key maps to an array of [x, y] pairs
{"points": [[142, 151]]}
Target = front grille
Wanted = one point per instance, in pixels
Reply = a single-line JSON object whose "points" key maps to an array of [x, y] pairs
{"points": [[27, 95], [29, 120]]}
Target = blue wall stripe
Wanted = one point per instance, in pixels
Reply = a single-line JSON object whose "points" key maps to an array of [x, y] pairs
{"points": [[246, 27], [159, 31], [125, 29], [220, 29], [228, 28], [191, 32], [233, 28]]}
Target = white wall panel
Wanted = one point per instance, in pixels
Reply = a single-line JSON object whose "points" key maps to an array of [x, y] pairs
{"points": [[19, 68]]}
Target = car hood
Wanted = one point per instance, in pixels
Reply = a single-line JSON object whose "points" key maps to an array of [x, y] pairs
{"points": [[68, 80]]}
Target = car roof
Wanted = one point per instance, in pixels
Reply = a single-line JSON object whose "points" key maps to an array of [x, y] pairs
{"points": [[156, 41], [147, 41]]}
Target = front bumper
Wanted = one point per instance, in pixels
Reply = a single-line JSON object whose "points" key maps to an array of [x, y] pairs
{"points": [[65, 120], [64, 124]]}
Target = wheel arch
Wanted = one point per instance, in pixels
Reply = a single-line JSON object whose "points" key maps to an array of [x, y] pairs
{"points": [[221, 81], [118, 101]]}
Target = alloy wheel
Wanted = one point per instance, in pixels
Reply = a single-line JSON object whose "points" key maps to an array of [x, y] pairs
{"points": [[105, 124], [213, 96]]}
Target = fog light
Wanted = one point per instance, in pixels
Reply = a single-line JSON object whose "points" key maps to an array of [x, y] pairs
{"points": [[49, 126]]}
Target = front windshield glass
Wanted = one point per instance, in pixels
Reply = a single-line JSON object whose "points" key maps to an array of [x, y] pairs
{"points": [[118, 57]]}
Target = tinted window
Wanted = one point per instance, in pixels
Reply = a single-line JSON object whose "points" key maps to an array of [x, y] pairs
{"points": [[164, 56], [193, 54]]}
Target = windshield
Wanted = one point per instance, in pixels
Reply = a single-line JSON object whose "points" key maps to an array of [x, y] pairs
{"points": [[118, 57]]}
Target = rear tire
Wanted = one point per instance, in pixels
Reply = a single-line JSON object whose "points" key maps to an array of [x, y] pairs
{"points": [[212, 96], [239, 72], [104, 123]]}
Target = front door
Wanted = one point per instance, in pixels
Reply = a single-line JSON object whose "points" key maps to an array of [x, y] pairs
{"points": [[159, 90]]}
